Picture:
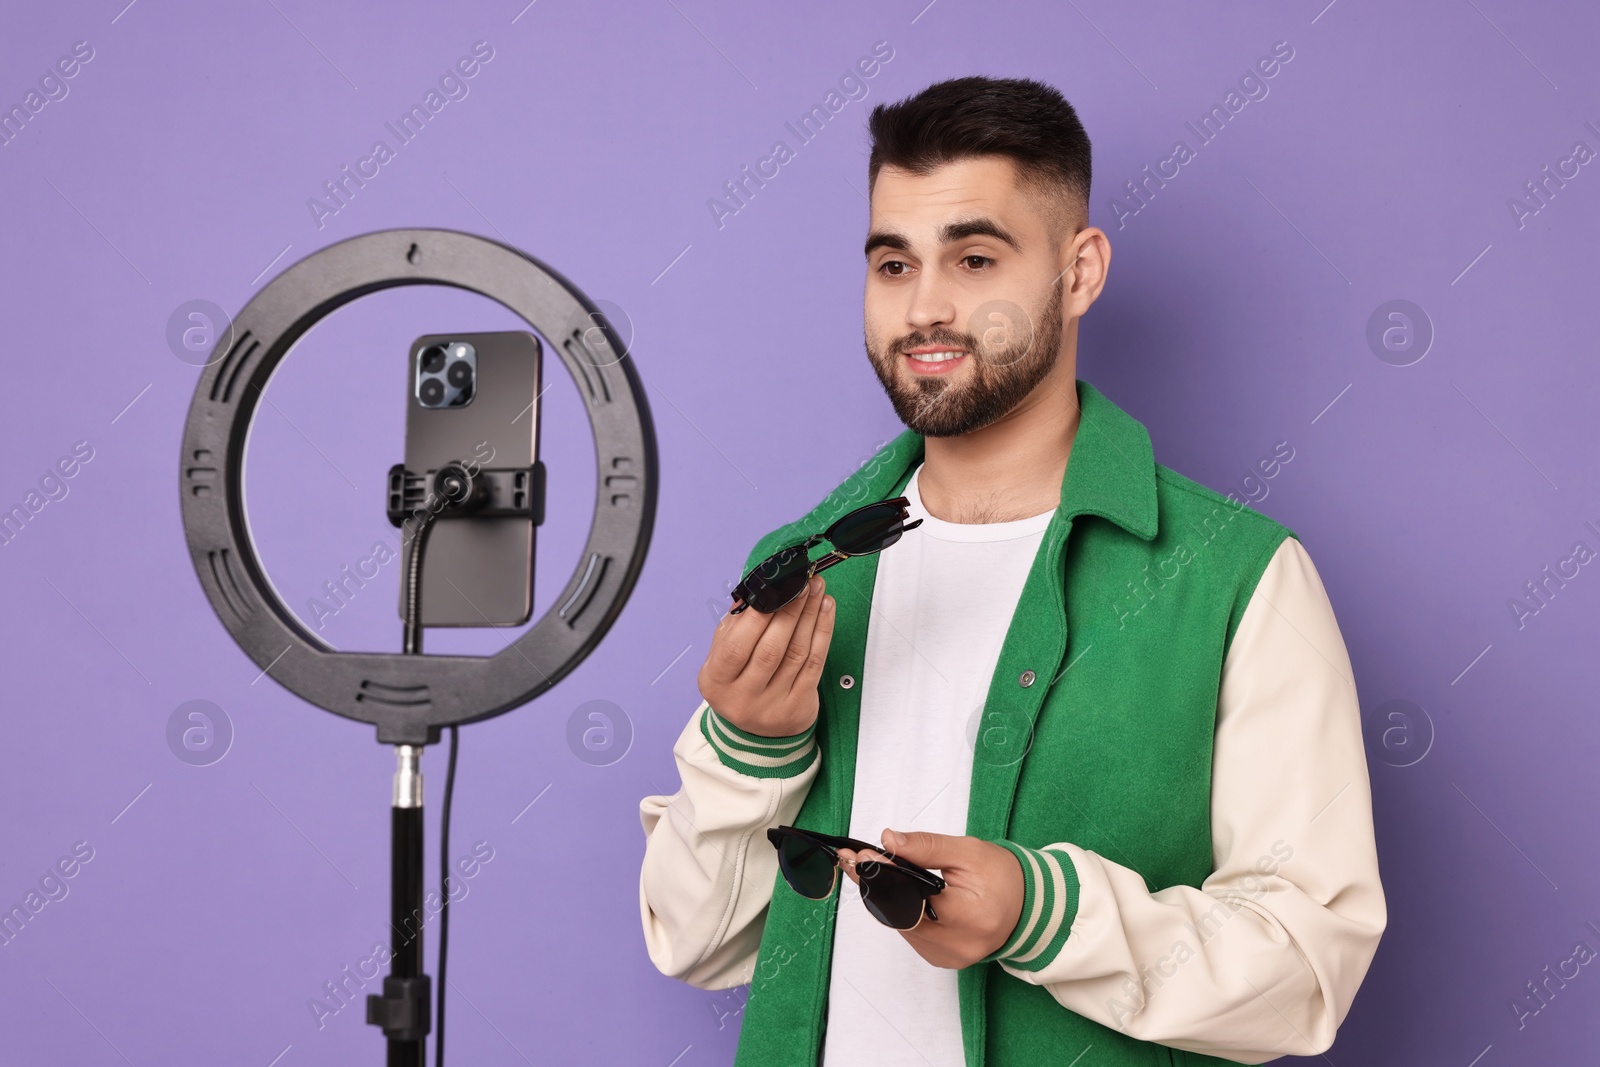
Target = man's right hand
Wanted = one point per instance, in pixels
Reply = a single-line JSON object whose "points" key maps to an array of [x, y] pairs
{"points": [[762, 671]]}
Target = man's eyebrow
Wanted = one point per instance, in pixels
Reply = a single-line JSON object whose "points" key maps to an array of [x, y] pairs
{"points": [[978, 227], [949, 234], [886, 239]]}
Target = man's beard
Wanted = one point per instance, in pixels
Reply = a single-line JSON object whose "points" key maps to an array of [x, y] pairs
{"points": [[934, 406]]}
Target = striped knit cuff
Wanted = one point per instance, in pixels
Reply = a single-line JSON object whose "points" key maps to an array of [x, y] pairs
{"points": [[753, 754], [1049, 904]]}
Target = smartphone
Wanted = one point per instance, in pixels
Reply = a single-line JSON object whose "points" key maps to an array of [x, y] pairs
{"points": [[473, 398]]}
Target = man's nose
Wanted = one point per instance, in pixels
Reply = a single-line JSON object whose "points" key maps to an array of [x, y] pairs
{"points": [[932, 302]]}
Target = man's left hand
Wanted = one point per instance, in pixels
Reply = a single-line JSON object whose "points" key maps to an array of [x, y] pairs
{"points": [[981, 901]]}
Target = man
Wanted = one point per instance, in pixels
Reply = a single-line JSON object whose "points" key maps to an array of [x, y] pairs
{"points": [[1110, 706]]}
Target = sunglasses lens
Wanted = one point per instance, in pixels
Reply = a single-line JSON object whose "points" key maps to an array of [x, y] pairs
{"points": [[778, 579], [893, 897], [807, 867], [871, 529]]}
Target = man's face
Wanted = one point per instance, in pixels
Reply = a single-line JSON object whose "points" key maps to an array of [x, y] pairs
{"points": [[963, 293]]}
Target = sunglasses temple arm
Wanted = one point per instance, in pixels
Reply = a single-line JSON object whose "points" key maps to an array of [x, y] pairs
{"points": [[827, 561], [924, 875]]}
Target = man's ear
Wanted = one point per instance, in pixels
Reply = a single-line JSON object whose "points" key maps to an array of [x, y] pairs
{"points": [[1086, 261]]}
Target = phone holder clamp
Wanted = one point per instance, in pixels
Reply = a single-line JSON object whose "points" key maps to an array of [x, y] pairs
{"points": [[485, 493]]}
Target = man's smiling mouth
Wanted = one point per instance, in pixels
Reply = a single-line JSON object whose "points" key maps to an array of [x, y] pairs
{"points": [[935, 360]]}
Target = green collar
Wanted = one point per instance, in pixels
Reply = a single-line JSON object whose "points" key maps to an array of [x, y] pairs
{"points": [[1111, 471]]}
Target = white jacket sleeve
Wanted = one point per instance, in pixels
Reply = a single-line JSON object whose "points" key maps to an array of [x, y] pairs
{"points": [[1264, 958], [708, 870]]}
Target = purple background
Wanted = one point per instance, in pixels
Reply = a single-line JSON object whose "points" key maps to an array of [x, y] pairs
{"points": [[178, 167]]}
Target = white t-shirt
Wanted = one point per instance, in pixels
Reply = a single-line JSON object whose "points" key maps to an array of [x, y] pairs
{"points": [[941, 604]]}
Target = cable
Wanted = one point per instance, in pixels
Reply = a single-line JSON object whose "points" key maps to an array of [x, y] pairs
{"points": [[412, 646], [444, 891], [446, 493]]}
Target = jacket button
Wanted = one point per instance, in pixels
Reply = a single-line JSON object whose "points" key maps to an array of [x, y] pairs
{"points": [[1026, 679], [846, 682]]}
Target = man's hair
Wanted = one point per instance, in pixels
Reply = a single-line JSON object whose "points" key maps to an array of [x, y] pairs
{"points": [[1025, 120]]}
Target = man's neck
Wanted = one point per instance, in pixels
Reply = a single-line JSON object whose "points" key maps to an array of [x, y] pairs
{"points": [[1012, 468]]}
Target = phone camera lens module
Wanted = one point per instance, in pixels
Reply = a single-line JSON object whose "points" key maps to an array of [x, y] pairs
{"points": [[433, 359], [460, 375], [431, 392]]}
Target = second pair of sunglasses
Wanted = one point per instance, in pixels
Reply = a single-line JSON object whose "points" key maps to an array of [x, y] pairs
{"points": [[895, 893], [783, 575]]}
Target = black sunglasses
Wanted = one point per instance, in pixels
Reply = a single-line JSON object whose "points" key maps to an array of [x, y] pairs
{"points": [[896, 894], [783, 575]]}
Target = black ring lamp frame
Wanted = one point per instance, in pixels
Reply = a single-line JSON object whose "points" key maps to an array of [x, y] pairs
{"points": [[410, 697]]}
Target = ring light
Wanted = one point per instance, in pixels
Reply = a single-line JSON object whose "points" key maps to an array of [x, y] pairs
{"points": [[409, 698]]}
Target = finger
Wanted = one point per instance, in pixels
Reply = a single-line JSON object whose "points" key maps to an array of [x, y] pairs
{"points": [[925, 849], [810, 674], [873, 855], [799, 648], [770, 647], [731, 644]]}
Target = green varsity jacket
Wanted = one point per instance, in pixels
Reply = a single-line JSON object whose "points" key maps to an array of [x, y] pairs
{"points": [[1097, 730]]}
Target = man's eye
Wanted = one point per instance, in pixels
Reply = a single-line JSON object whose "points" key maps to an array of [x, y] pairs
{"points": [[892, 267], [976, 262]]}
